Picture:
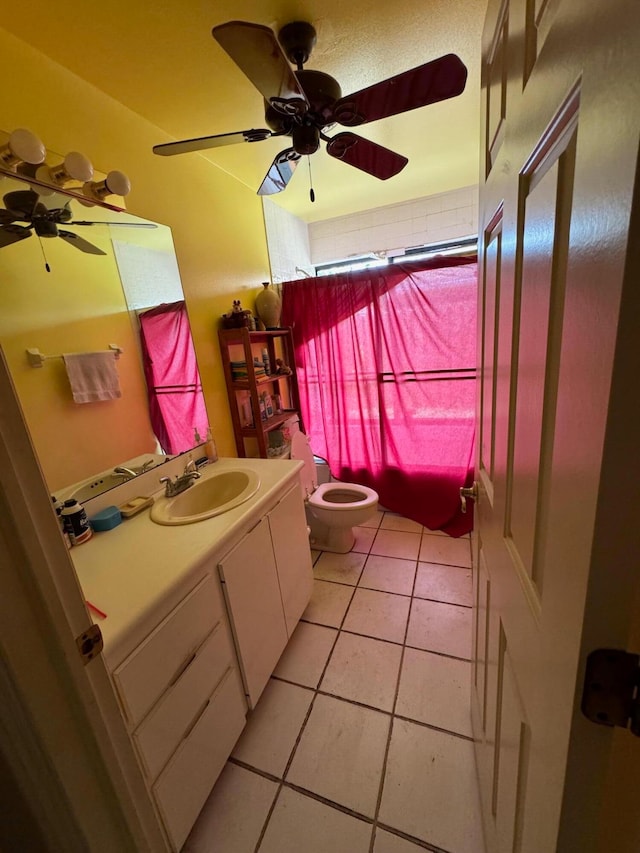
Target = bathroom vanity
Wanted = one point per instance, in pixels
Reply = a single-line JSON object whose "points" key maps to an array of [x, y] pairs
{"points": [[198, 615]]}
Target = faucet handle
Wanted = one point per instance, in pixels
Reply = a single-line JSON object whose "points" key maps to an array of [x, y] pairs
{"points": [[190, 467]]}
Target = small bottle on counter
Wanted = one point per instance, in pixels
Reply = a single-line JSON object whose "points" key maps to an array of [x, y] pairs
{"points": [[76, 523], [58, 505], [210, 447]]}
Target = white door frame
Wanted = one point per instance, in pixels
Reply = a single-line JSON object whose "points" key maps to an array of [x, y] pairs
{"points": [[62, 738]]}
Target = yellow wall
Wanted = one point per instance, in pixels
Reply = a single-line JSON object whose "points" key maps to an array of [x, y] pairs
{"points": [[217, 222]]}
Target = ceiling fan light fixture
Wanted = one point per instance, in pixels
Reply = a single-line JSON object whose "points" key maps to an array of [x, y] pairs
{"points": [[23, 146]]}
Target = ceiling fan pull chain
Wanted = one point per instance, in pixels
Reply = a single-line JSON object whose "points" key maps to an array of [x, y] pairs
{"points": [[46, 263], [312, 195]]}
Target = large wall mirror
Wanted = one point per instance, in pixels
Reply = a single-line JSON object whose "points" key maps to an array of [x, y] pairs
{"points": [[74, 294]]}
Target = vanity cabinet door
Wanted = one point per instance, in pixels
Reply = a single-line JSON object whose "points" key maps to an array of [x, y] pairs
{"points": [[250, 583], [293, 555]]}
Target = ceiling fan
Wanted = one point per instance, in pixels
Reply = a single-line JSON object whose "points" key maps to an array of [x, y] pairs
{"points": [[43, 220], [303, 103]]}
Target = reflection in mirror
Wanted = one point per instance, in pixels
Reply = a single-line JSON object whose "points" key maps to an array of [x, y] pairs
{"points": [[90, 299]]}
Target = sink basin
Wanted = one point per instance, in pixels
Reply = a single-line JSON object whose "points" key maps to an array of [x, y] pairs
{"points": [[207, 497]]}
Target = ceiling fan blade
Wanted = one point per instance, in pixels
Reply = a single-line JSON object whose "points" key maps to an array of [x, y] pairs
{"points": [[280, 172], [13, 234], [24, 203], [434, 81], [117, 224], [202, 142], [257, 53], [366, 155], [80, 243], [8, 216]]}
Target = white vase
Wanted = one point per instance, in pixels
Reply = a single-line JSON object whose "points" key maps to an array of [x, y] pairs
{"points": [[269, 306]]}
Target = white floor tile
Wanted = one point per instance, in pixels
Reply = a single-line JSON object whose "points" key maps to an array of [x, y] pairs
{"points": [[430, 788], [444, 583], [378, 614], [273, 727], [233, 816], [314, 555], [329, 602], [306, 654], [363, 670], [398, 522], [440, 627], [375, 520], [394, 543], [388, 574], [444, 549], [435, 690], [364, 539], [388, 843], [340, 754], [300, 823], [341, 568]]}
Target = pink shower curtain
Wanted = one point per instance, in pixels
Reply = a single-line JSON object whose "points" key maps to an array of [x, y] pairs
{"points": [[176, 402], [386, 366]]}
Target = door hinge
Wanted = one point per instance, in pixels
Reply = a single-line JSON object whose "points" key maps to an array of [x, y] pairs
{"points": [[611, 686], [90, 643]]}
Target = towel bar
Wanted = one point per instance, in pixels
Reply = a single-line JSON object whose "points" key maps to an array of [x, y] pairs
{"points": [[37, 358]]}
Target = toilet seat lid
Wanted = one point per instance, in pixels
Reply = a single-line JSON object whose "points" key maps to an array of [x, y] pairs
{"points": [[300, 449]]}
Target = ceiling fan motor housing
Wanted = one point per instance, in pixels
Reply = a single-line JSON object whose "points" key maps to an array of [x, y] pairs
{"points": [[322, 92]]}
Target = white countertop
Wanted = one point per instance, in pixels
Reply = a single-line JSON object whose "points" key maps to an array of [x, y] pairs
{"points": [[137, 572]]}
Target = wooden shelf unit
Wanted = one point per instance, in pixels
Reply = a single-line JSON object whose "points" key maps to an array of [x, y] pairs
{"points": [[279, 344]]}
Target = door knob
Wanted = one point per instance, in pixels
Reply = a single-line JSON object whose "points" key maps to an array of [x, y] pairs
{"points": [[468, 493]]}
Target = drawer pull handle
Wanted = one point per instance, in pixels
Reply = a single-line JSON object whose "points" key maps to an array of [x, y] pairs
{"points": [[185, 666], [197, 719]]}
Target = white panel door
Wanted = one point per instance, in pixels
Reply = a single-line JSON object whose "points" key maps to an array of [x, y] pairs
{"points": [[557, 406], [293, 555], [250, 585]]}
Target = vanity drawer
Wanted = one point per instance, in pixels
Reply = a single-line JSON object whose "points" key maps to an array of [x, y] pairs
{"points": [[159, 660], [186, 782], [161, 731]]}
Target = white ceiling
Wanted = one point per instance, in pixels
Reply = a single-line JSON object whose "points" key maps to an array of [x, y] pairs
{"points": [[159, 59]]}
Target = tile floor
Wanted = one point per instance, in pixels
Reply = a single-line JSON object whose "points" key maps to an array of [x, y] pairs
{"points": [[361, 741]]}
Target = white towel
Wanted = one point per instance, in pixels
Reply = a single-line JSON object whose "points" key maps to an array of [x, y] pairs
{"points": [[92, 376]]}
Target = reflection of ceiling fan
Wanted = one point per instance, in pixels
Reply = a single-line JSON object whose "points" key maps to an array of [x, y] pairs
{"points": [[43, 219], [303, 103]]}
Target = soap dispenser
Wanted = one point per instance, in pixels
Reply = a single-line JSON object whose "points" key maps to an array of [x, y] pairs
{"points": [[210, 447]]}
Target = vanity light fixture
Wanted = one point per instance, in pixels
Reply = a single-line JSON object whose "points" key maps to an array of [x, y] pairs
{"points": [[23, 146], [74, 167], [116, 183]]}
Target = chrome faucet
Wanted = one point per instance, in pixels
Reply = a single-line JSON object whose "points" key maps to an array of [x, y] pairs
{"points": [[125, 473], [129, 473], [182, 481]]}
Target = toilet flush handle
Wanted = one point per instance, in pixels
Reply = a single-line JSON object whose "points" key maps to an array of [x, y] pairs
{"points": [[471, 493]]}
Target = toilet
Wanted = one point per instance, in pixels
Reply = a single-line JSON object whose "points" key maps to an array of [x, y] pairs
{"points": [[333, 509]]}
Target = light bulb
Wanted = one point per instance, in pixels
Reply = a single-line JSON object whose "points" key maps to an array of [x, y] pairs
{"points": [[74, 167], [23, 146], [116, 183]]}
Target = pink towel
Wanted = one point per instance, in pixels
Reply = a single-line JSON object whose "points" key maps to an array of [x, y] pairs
{"points": [[92, 376]]}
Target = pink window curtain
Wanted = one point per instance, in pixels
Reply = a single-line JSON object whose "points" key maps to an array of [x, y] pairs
{"points": [[176, 402], [386, 365]]}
